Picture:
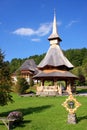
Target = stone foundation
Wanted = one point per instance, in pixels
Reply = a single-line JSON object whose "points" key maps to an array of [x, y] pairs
{"points": [[72, 118]]}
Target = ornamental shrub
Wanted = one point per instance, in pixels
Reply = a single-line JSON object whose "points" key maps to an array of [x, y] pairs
{"points": [[22, 85], [17, 115]]}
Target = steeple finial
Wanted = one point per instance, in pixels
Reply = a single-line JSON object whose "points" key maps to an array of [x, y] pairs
{"points": [[54, 34]]}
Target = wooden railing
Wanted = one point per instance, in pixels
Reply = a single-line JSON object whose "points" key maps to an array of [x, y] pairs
{"points": [[47, 88]]}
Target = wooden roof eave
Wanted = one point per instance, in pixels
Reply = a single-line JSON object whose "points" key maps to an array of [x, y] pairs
{"points": [[61, 67], [39, 77], [57, 78]]}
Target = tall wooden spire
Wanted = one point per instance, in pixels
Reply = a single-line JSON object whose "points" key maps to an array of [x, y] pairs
{"points": [[54, 37], [55, 25], [55, 56]]}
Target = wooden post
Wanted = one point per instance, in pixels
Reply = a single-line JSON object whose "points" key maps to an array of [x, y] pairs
{"points": [[65, 84]]}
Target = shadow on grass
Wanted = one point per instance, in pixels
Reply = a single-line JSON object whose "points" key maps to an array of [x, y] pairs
{"points": [[27, 111], [81, 118], [21, 124]]}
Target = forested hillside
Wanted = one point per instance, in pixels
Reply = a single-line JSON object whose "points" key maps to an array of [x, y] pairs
{"points": [[78, 57]]}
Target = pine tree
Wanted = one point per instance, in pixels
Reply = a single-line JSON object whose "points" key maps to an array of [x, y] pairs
{"points": [[5, 81]]}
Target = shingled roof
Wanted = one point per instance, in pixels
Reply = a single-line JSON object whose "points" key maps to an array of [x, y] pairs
{"points": [[28, 65], [60, 74], [55, 58]]}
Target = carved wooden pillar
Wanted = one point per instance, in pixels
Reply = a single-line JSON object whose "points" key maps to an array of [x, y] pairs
{"points": [[65, 84], [55, 85], [69, 90], [55, 82], [42, 82]]}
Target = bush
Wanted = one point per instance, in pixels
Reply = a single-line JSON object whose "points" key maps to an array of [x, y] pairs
{"points": [[22, 85], [17, 115], [5, 97], [31, 82]]}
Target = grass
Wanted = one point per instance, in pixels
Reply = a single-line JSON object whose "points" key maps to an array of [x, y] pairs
{"points": [[45, 113]]}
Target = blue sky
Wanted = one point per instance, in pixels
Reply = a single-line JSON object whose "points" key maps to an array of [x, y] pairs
{"points": [[25, 25]]}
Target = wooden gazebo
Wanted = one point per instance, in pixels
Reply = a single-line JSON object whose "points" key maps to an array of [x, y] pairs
{"points": [[55, 67]]}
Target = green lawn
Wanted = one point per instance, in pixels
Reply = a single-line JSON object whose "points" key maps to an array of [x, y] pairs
{"points": [[45, 113]]}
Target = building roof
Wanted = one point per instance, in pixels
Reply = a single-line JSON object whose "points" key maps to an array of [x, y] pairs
{"points": [[59, 75], [55, 58], [28, 65]]}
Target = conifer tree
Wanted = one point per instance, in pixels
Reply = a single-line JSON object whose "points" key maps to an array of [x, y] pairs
{"points": [[5, 81]]}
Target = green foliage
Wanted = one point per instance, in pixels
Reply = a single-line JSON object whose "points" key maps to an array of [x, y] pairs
{"points": [[81, 89], [81, 80], [37, 58], [76, 56], [5, 81], [15, 64], [5, 96], [22, 85], [31, 82]]}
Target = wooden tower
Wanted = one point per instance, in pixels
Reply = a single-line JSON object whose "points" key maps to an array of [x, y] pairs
{"points": [[55, 67]]}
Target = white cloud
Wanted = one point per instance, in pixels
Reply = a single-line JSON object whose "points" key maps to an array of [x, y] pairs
{"points": [[41, 31], [71, 23], [35, 40], [44, 29], [24, 31]]}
